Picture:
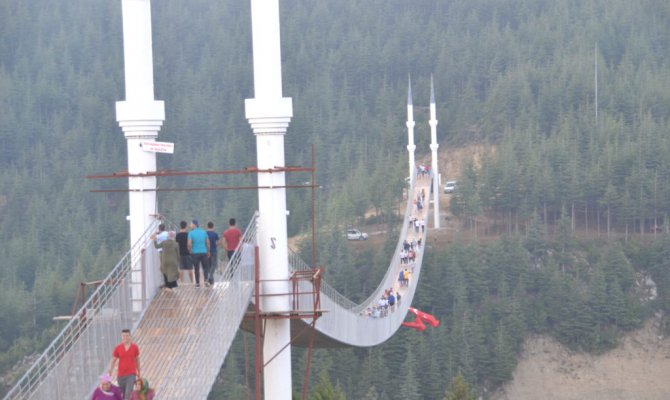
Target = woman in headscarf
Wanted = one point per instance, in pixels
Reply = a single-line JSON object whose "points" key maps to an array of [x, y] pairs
{"points": [[106, 390], [142, 390], [169, 260]]}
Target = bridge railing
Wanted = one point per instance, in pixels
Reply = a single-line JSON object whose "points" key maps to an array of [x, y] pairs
{"points": [[389, 277], [215, 329], [347, 322], [297, 263], [70, 365]]}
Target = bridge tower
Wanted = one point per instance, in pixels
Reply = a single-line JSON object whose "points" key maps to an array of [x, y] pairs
{"points": [[269, 114], [433, 148], [411, 147], [140, 117]]}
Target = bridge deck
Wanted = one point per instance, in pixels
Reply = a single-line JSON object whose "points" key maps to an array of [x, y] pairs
{"points": [[168, 328]]}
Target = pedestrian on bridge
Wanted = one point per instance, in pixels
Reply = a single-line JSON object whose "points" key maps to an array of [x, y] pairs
{"points": [[213, 253], [169, 260], [127, 355], [185, 262], [159, 237], [198, 246], [162, 234], [231, 238], [142, 390], [106, 390]]}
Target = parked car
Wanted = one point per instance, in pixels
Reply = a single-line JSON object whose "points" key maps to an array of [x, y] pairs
{"points": [[355, 234], [450, 187]]}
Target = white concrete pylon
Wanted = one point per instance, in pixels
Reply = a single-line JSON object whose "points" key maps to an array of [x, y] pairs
{"points": [[269, 115], [140, 117], [433, 148], [411, 147]]}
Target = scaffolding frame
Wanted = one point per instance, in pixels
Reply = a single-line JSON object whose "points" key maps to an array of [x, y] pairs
{"points": [[298, 278]]}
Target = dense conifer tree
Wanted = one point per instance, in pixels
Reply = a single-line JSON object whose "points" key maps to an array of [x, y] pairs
{"points": [[459, 389], [324, 389]]}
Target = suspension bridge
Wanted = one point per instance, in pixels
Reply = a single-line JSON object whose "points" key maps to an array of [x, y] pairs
{"points": [[185, 335]]}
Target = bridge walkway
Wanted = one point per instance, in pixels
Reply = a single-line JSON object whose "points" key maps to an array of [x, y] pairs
{"points": [[184, 336]]}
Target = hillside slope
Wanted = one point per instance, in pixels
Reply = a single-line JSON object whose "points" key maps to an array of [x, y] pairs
{"points": [[638, 369]]}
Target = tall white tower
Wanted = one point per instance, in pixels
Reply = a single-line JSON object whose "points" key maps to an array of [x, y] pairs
{"points": [[269, 115], [410, 132], [140, 117], [433, 148]]}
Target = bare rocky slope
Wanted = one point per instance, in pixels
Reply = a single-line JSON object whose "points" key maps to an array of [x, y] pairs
{"points": [[638, 369]]}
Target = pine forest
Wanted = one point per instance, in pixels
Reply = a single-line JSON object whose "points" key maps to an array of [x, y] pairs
{"points": [[561, 217]]}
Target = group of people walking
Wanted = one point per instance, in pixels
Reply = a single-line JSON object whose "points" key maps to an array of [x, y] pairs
{"points": [[419, 225], [126, 363], [193, 249], [419, 201], [411, 247], [390, 297], [387, 302], [423, 170], [408, 251]]}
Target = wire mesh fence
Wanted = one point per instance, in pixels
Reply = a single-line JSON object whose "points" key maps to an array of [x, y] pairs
{"points": [[70, 365], [201, 354]]}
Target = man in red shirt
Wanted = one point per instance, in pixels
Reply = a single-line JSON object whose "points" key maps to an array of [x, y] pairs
{"points": [[231, 238], [128, 356]]}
